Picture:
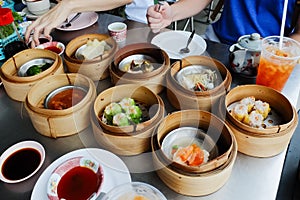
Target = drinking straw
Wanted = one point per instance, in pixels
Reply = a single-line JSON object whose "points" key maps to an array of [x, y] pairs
{"points": [[283, 23]]}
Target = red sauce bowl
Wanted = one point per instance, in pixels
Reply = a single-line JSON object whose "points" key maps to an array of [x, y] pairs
{"points": [[76, 178], [56, 47], [64, 97]]}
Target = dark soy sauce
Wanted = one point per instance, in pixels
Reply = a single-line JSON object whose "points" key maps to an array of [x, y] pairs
{"points": [[21, 163], [78, 184]]}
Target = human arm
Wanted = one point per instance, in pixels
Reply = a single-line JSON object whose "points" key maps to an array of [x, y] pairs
{"points": [[296, 34], [58, 14], [158, 19]]}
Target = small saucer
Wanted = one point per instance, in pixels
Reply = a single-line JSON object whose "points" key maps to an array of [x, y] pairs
{"points": [[30, 15]]}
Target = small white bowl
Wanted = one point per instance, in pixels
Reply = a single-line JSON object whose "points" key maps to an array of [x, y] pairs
{"points": [[30, 156], [54, 46]]}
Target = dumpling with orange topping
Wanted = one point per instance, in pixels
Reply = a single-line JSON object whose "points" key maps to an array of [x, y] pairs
{"points": [[262, 107], [240, 111]]}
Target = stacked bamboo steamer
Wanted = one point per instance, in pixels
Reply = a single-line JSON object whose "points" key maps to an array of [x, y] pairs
{"points": [[132, 139], [193, 183], [182, 98], [270, 140], [154, 80], [59, 123], [97, 68], [16, 86]]}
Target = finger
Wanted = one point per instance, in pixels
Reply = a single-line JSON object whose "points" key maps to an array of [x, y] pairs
{"points": [[155, 30]]}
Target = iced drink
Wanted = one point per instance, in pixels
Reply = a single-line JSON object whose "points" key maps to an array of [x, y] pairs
{"points": [[276, 64]]}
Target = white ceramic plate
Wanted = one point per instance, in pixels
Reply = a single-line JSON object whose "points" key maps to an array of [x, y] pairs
{"points": [[85, 20], [30, 15], [114, 170], [173, 41]]}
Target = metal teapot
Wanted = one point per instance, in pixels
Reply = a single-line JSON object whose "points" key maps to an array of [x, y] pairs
{"points": [[244, 55]]}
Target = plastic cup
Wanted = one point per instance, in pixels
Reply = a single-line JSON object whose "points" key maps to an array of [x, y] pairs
{"points": [[118, 31], [276, 65]]}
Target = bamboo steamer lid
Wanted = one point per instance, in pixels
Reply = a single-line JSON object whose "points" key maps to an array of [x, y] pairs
{"points": [[59, 123], [17, 87], [154, 80], [96, 69], [115, 94], [128, 144], [182, 98], [262, 142]]}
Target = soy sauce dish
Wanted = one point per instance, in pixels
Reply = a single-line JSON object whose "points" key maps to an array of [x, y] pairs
{"points": [[21, 161]]}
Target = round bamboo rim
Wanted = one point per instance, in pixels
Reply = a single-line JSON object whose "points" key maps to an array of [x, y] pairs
{"points": [[276, 100], [129, 144], [61, 126], [205, 121], [193, 184], [117, 93], [77, 42], [96, 69], [38, 93], [139, 48], [263, 145], [182, 98], [155, 83], [11, 66], [205, 61], [18, 90]]}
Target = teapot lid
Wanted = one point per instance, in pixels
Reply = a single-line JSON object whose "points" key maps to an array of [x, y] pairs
{"points": [[251, 42]]}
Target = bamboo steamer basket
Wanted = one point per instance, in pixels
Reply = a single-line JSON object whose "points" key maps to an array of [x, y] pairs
{"points": [[189, 183], [115, 94], [262, 142], [216, 137], [154, 80], [96, 69], [182, 98], [129, 144], [17, 87], [59, 123]]}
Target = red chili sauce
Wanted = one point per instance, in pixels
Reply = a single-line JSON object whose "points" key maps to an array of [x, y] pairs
{"points": [[66, 99], [54, 49], [78, 184]]}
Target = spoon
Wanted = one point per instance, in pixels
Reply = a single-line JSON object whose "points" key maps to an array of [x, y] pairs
{"points": [[68, 24], [186, 49]]}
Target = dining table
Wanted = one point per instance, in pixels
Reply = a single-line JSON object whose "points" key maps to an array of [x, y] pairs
{"points": [[251, 177]]}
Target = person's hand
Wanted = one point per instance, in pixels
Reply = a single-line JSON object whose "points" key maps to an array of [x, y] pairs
{"points": [[45, 23], [159, 16]]}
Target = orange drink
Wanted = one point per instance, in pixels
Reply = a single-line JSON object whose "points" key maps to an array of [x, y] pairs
{"points": [[276, 65]]}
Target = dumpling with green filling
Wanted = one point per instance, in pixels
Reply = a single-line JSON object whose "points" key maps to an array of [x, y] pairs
{"points": [[125, 103], [134, 113], [111, 110], [120, 119]]}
